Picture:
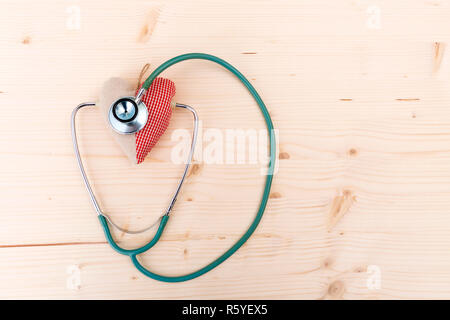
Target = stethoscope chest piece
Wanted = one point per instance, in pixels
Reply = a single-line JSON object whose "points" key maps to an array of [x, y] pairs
{"points": [[126, 116]]}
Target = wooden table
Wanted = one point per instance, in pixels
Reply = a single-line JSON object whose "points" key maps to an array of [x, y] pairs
{"points": [[358, 90]]}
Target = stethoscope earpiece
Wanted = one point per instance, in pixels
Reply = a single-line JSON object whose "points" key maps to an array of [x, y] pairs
{"points": [[126, 116]]}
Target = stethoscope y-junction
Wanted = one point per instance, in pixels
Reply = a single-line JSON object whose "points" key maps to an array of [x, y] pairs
{"points": [[130, 115]]}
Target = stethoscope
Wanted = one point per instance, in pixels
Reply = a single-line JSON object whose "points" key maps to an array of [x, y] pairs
{"points": [[128, 115]]}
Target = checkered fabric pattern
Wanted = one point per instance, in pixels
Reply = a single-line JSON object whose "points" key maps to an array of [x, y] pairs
{"points": [[157, 99]]}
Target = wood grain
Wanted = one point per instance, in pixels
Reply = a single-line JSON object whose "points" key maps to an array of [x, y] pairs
{"points": [[363, 113]]}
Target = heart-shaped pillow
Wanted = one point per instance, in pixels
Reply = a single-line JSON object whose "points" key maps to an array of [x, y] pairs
{"points": [[158, 101]]}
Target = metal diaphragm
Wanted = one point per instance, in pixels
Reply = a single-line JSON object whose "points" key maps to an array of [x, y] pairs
{"points": [[126, 117]]}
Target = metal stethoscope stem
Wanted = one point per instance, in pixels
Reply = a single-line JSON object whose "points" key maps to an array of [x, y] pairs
{"points": [[91, 192]]}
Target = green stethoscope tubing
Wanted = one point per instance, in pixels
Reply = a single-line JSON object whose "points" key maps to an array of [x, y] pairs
{"points": [[132, 253]]}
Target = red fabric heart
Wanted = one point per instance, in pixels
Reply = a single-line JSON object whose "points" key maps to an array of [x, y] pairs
{"points": [[157, 99]]}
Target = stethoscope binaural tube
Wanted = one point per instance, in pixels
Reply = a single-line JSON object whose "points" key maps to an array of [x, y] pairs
{"points": [[132, 253]]}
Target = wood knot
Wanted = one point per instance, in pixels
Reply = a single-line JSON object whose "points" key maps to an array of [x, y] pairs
{"points": [[275, 195], [195, 169], [336, 289], [26, 40], [439, 48], [147, 29], [284, 155], [327, 262], [346, 193], [360, 269], [339, 207], [353, 152]]}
